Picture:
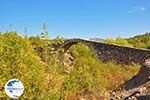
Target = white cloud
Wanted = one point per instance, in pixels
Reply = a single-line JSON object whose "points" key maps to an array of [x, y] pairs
{"points": [[137, 9], [142, 8]]}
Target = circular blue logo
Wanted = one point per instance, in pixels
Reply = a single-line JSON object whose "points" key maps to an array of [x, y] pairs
{"points": [[14, 88]]}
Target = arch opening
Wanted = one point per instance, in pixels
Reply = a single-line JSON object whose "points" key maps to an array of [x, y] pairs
{"points": [[75, 53]]}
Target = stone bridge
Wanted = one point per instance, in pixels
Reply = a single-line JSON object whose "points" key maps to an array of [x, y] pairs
{"points": [[109, 52]]}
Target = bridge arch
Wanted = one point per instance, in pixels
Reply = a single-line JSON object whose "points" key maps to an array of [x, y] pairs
{"points": [[69, 43], [74, 42]]}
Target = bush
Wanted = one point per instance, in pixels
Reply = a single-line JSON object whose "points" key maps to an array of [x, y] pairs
{"points": [[19, 61], [140, 41], [119, 41]]}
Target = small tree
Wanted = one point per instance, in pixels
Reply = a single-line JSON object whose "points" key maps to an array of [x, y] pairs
{"points": [[44, 34]]}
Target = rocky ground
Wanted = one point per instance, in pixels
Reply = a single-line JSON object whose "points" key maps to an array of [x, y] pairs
{"points": [[137, 88]]}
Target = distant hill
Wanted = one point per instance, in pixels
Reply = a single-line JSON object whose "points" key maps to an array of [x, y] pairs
{"points": [[141, 41], [138, 41], [96, 39]]}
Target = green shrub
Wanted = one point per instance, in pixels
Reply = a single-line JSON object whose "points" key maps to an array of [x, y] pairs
{"points": [[19, 61], [119, 40], [140, 41]]}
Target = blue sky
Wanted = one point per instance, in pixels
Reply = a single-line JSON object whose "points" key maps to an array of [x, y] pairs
{"points": [[77, 18]]}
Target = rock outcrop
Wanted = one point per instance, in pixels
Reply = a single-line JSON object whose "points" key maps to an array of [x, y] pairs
{"points": [[141, 78], [137, 88]]}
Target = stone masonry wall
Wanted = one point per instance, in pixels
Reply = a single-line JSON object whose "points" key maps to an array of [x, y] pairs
{"points": [[108, 52], [121, 54]]}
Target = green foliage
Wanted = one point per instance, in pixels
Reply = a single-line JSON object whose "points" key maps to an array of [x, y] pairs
{"points": [[44, 34], [119, 40], [36, 41], [90, 76], [18, 60], [140, 41]]}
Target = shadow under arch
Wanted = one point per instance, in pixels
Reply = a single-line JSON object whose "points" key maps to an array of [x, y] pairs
{"points": [[72, 42]]}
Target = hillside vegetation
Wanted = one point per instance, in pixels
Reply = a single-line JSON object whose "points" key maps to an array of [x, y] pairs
{"points": [[139, 41], [46, 79]]}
